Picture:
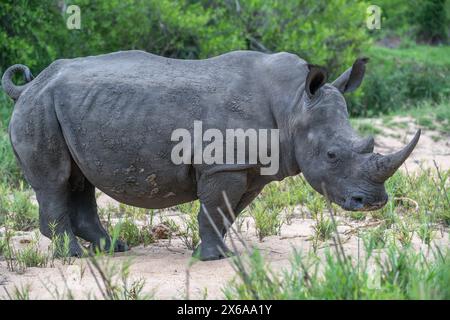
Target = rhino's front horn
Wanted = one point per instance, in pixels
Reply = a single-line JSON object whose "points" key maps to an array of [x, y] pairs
{"points": [[383, 167]]}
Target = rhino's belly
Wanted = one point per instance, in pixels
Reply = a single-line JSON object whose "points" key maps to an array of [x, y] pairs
{"points": [[151, 201], [143, 186]]}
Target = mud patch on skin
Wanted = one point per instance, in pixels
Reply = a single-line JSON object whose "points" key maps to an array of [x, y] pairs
{"points": [[168, 195], [151, 181], [154, 192]]}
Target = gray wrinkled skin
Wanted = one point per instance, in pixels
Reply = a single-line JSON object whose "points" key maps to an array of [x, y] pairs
{"points": [[106, 121]]}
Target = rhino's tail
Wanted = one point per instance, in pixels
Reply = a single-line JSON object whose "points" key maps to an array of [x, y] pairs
{"points": [[10, 88]]}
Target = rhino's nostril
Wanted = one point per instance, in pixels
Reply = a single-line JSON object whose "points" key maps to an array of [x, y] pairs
{"points": [[357, 199]]}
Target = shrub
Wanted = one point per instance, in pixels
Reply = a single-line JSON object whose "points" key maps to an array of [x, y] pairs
{"points": [[324, 32], [18, 210], [399, 79], [267, 219], [133, 234], [431, 19]]}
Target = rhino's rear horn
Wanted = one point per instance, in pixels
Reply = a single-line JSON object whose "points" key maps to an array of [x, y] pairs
{"points": [[383, 167], [364, 145]]}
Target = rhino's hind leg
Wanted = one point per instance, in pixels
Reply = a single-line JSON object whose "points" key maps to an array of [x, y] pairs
{"points": [[46, 163], [54, 221], [212, 246], [84, 217]]}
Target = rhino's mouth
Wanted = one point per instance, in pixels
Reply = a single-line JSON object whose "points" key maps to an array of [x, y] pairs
{"points": [[359, 202]]}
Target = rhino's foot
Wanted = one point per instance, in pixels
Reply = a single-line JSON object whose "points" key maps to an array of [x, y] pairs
{"points": [[209, 253], [77, 252], [119, 246]]}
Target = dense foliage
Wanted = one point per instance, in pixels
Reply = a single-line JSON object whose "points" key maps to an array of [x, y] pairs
{"points": [[34, 32], [423, 20], [399, 79]]}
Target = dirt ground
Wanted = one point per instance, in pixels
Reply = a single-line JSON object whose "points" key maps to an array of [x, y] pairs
{"points": [[164, 265], [433, 145]]}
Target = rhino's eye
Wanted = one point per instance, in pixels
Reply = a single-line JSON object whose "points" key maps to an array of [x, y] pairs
{"points": [[331, 155]]}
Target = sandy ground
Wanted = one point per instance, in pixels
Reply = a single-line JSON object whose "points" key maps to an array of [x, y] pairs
{"points": [[432, 146], [164, 264]]}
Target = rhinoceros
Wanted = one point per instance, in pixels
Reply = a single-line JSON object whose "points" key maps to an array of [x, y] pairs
{"points": [[106, 122]]}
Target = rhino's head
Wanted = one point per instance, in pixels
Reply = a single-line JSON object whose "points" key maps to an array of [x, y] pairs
{"points": [[330, 153]]}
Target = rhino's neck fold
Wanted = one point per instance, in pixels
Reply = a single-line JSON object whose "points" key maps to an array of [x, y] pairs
{"points": [[288, 163], [283, 114], [284, 92]]}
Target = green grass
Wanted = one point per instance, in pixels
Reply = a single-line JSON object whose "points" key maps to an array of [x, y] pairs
{"points": [[267, 219], [399, 273], [357, 215], [113, 280], [267, 209], [189, 231], [426, 232], [431, 115], [32, 256], [19, 293], [324, 228], [435, 55], [375, 238]]}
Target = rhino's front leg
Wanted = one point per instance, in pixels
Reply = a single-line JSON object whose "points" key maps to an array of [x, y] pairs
{"points": [[210, 188]]}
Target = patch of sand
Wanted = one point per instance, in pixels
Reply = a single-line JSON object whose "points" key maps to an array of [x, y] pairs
{"points": [[432, 146]]}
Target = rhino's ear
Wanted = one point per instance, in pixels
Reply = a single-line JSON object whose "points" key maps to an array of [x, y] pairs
{"points": [[351, 79], [316, 78]]}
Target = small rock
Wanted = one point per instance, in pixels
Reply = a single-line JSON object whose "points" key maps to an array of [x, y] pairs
{"points": [[161, 231]]}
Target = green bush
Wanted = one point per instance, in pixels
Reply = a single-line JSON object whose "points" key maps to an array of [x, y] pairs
{"points": [[9, 170], [35, 33], [22, 214], [331, 33], [395, 18], [399, 79], [406, 20], [29, 30], [432, 22]]}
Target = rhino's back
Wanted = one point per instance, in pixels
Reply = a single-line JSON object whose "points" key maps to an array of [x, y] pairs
{"points": [[139, 67]]}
